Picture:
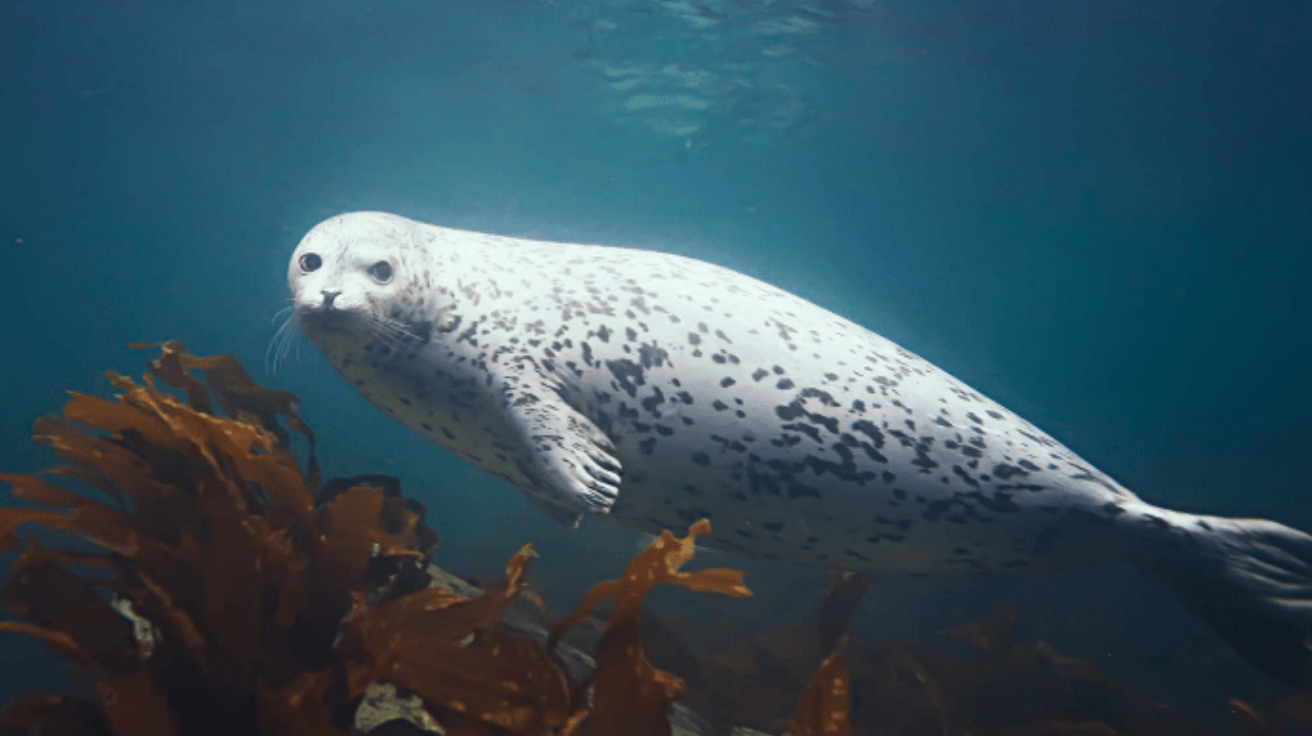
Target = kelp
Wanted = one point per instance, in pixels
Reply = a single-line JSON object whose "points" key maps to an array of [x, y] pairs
{"points": [[826, 706], [222, 580], [631, 697], [206, 583], [229, 595]]}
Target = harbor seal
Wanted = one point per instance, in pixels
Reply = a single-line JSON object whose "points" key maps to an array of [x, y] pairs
{"points": [[657, 390]]}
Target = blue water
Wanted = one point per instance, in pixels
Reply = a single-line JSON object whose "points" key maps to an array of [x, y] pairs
{"points": [[1098, 213]]}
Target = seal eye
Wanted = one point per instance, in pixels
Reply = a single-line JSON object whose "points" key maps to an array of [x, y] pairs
{"points": [[310, 262], [381, 271]]}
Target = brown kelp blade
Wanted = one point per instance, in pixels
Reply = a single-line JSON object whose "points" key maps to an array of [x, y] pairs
{"points": [[825, 708], [630, 696], [445, 648], [238, 396]]}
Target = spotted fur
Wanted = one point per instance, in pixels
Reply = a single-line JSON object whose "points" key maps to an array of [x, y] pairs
{"points": [[660, 390]]}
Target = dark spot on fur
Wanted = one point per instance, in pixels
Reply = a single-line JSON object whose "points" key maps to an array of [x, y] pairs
{"points": [[1007, 472], [650, 356], [656, 399], [628, 374], [961, 473], [868, 428]]}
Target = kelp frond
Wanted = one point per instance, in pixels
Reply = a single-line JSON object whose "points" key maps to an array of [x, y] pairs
{"points": [[231, 597], [631, 696]]}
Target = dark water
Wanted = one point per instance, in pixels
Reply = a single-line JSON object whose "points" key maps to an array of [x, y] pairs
{"points": [[1098, 213]]}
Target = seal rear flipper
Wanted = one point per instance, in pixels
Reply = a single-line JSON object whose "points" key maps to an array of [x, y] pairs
{"points": [[570, 457], [1251, 581]]}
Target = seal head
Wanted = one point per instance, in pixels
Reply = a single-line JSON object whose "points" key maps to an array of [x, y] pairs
{"points": [[357, 279]]}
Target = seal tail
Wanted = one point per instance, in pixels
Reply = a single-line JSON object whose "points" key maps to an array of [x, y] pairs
{"points": [[1250, 580]]}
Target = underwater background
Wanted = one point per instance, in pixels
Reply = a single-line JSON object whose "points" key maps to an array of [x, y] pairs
{"points": [[1098, 213]]}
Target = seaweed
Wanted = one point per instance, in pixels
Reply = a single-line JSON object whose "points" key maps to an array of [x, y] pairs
{"points": [[631, 696], [826, 706], [223, 592], [206, 583]]}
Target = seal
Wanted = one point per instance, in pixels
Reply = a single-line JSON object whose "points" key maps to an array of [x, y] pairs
{"points": [[657, 390]]}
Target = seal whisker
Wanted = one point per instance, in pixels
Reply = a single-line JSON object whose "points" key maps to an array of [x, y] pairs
{"points": [[274, 351], [293, 336], [382, 330], [271, 352], [398, 332], [386, 334], [400, 328], [280, 343]]}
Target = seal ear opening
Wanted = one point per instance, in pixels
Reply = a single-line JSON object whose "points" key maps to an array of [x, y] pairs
{"points": [[1256, 594]]}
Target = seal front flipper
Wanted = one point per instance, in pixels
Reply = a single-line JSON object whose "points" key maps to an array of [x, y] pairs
{"points": [[570, 457]]}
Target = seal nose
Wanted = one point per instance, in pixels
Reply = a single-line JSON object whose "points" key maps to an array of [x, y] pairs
{"points": [[328, 297]]}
